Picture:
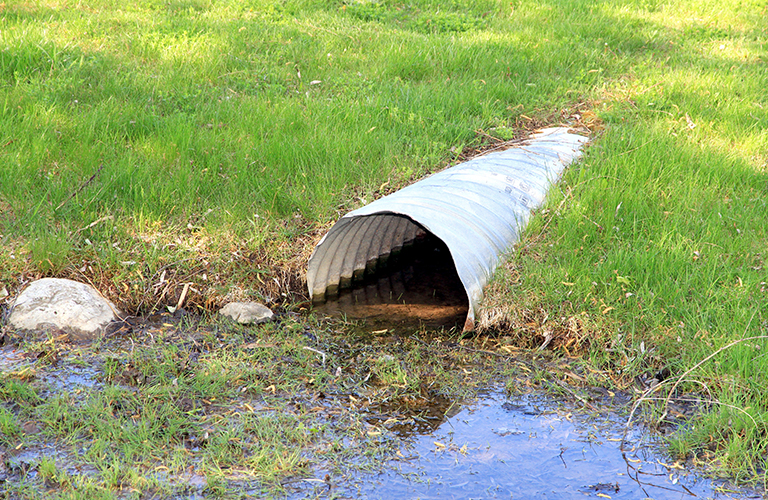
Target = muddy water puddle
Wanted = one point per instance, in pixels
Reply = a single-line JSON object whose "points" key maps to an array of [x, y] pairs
{"points": [[72, 378], [12, 358], [532, 446]]}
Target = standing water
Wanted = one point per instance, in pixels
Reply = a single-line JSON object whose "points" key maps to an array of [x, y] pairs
{"points": [[534, 446], [524, 446]]}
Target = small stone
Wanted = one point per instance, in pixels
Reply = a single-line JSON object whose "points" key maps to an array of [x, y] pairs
{"points": [[247, 312], [52, 304]]}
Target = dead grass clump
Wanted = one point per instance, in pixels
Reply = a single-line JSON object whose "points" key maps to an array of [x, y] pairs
{"points": [[579, 117], [537, 328], [526, 321], [200, 279]]}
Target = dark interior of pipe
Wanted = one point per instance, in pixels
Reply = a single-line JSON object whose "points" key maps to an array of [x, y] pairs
{"points": [[416, 282]]}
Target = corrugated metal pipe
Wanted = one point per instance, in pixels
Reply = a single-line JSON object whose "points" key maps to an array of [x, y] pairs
{"points": [[477, 208]]}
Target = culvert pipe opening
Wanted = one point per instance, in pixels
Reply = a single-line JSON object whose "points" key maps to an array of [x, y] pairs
{"points": [[387, 267]]}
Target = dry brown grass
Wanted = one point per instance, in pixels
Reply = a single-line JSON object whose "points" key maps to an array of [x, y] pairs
{"points": [[529, 324], [273, 272]]}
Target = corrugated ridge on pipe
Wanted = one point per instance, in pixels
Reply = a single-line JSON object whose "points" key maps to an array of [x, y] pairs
{"points": [[478, 208]]}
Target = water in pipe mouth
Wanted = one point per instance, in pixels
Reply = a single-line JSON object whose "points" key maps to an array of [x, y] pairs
{"points": [[414, 286]]}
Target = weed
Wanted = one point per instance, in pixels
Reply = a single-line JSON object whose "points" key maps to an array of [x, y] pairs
{"points": [[9, 426]]}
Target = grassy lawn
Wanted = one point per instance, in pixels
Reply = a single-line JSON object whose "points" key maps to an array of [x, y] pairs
{"points": [[149, 145]]}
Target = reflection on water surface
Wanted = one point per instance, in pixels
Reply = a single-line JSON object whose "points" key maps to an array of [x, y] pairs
{"points": [[526, 446], [533, 447]]}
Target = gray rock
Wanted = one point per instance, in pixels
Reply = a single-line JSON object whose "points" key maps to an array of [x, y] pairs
{"points": [[59, 304], [247, 312]]}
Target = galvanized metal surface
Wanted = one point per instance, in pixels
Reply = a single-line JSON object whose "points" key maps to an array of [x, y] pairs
{"points": [[477, 208]]}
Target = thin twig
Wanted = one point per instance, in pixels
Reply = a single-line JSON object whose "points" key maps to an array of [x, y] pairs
{"points": [[181, 299], [680, 379], [82, 186], [710, 401], [634, 149], [500, 146], [151, 278], [562, 385], [97, 221]]}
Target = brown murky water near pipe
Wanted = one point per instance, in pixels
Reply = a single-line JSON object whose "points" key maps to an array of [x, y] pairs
{"points": [[417, 288]]}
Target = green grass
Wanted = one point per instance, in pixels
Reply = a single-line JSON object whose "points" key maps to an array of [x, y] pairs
{"points": [[154, 134], [658, 236], [228, 408], [147, 145]]}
